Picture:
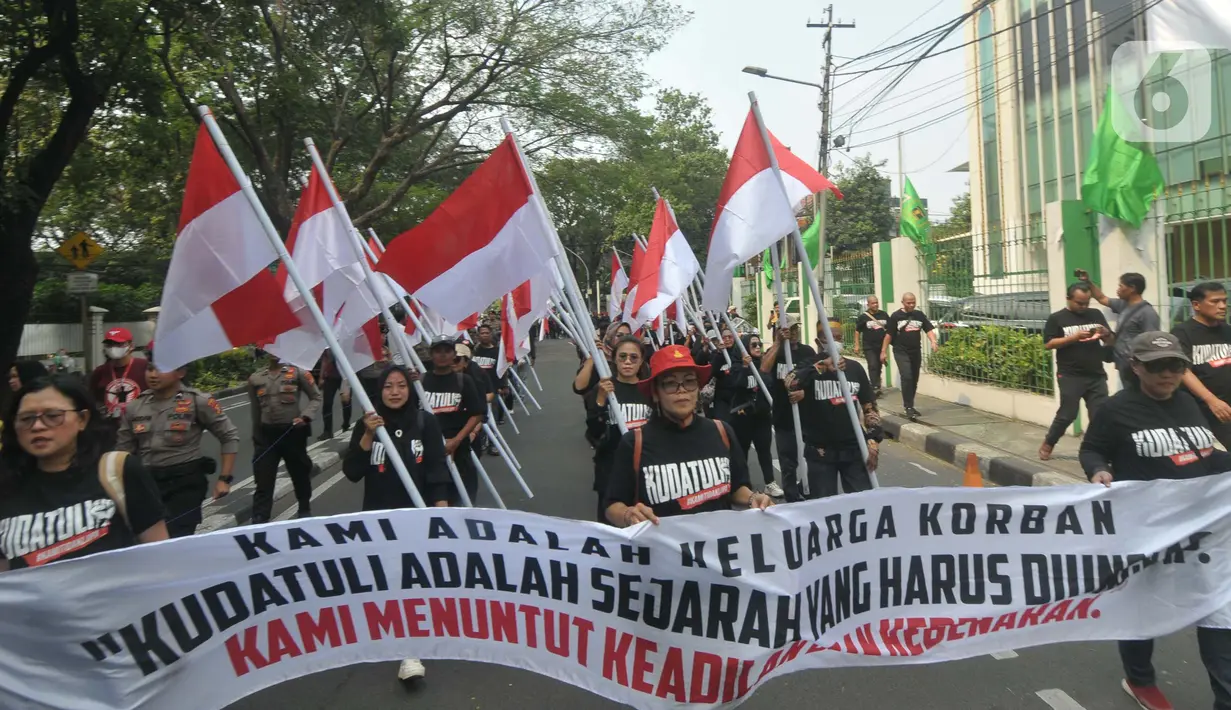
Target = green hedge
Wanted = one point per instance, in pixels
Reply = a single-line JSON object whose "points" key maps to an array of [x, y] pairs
{"points": [[996, 355], [218, 372]]}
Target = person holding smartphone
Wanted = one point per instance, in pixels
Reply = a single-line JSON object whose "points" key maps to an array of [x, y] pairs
{"points": [[1082, 341]]}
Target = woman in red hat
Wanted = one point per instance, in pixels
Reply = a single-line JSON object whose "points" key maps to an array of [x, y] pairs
{"points": [[679, 463]]}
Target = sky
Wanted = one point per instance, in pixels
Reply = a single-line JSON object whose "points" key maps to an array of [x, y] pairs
{"points": [[707, 56]]}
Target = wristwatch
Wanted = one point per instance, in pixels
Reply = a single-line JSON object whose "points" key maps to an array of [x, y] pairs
{"points": [[226, 479]]}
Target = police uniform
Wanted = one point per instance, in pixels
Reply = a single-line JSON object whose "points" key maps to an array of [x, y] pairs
{"points": [[275, 405], [166, 434]]}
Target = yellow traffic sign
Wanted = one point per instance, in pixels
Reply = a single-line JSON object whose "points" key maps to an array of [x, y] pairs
{"points": [[80, 250]]}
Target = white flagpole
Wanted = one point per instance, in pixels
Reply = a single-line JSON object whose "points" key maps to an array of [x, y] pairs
{"points": [[835, 356], [408, 353], [517, 378], [571, 291], [801, 475], [487, 426], [271, 233], [535, 372]]}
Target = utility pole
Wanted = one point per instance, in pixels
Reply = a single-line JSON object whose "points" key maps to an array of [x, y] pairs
{"points": [[826, 107]]}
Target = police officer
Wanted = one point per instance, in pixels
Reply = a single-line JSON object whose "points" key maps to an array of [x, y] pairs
{"points": [[280, 431], [163, 426]]}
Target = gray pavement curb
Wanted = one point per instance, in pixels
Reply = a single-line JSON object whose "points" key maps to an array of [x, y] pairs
{"points": [[219, 515], [999, 467]]}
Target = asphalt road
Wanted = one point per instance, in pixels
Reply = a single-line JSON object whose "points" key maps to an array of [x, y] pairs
{"points": [[240, 412], [556, 463]]}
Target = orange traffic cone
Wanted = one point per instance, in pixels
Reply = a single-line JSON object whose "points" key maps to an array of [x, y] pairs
{"points": [[973, 477]]}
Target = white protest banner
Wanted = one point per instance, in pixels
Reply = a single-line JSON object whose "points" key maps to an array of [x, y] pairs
{"points": [[699, 611]]}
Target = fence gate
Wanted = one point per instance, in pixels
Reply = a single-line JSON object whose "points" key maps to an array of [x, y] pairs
{"points": [[1198, 225], [849, 279]]}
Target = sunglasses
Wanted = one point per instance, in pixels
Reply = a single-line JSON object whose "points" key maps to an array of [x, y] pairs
{"points": [[628, 357], [690, 384], [1170, 364]]}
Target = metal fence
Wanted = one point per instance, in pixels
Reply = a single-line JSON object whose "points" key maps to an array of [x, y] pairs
{"points": [[987, 296], [849, 279], [1197, 226]]}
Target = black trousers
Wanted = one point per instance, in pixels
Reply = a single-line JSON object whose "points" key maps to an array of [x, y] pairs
{"points": [[1073, 389], [276, 444], [469, 475], [874, 367], [508, 402], [1215, 648], [910, 364], [788, 461], [825, 469], [182, 499], [331, 389], [751, 429]]}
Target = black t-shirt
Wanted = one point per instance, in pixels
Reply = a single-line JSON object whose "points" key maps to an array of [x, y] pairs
{"points": [[1143, 439], [1209, 347], [777, 389], [47, 517], [594, 378], [906, 330], [726, 382], [422, 450], [1078, 359], [748, 401], [822, 412], [485, 356], [454, 399], [683, 471], [602, 431], [870, 325]]}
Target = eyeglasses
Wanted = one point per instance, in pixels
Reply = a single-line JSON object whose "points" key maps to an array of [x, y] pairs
{"points": [[690, 384], [50, 417], [628, 357], [1170, 364]]}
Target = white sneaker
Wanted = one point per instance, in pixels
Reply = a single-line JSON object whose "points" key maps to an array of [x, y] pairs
{"points": [[411, 669], [774, 490]]}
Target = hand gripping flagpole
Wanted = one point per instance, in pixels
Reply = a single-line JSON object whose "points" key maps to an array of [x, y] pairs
{"points": [[835, 355], [568, 285], [370, 278], [756, 371], [501, 443], [492, 433], [271, 233]]}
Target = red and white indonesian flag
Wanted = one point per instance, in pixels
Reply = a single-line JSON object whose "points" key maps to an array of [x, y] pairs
{"points": [[676, 266], [320, 243], [520, 309], [676, 313], [219, 292], [619, 282], [479, 244], [358, 324], [752, 211], [635, 270]]}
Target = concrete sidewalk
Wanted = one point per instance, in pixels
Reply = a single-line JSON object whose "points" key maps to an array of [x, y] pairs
{"points": [[1007, 448]]}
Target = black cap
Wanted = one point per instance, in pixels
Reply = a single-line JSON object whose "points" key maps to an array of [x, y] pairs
{"points": [[441, 340]]}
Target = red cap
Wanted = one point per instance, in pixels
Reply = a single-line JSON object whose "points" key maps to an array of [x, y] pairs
{"points": [[118, 335], [670, 359]]}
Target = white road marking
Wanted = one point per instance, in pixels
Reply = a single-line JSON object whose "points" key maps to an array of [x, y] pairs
{"points": [[1058, 699], [1004, 655], [290, 512], [921, 468]]}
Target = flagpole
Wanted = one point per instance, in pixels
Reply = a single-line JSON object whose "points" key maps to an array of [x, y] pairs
{"points": [[363, 251], [834, 355], [271, 233], [570, 283], [360, 249], [517, 378], [487, 426]]}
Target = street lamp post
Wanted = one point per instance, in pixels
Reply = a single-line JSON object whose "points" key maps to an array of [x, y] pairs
{"points": [[584, 266]]}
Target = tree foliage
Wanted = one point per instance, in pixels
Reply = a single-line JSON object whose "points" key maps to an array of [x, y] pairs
{"points": [[863, 216], [959, 219], [98, 105], [600, 202]]}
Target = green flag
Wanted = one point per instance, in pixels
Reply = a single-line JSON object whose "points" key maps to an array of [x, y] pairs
{"points": [[914, 221], [1122, 179], [812, 243]]}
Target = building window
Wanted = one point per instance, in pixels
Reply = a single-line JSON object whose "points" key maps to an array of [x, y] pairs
{"points": [[991, 147]]}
